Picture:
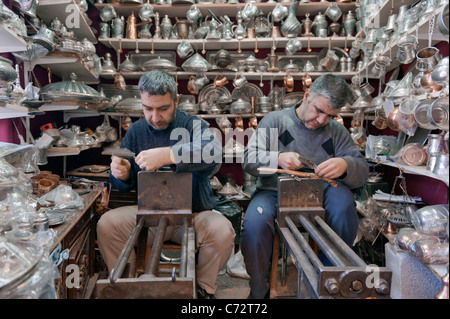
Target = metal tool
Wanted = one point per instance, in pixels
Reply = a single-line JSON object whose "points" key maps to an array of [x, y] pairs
{"points": [[120, 152], [307, 162], [300, 206], [332, 182], [164, 200]]}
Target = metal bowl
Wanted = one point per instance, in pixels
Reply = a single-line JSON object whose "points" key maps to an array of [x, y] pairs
{"points": [[420, 114], [437, 113]]}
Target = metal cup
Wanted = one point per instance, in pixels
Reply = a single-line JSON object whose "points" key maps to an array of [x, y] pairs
{"points": [[427, 58], [441, 166], [239, 80], [391, 24], [406, 49]]}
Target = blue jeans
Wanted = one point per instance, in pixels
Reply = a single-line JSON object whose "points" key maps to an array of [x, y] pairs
{"points": [[258, 230]]}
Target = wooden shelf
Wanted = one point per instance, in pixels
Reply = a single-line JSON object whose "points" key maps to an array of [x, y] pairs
{"points": [[179, 10], [213, 44], [62, 66], [66, 11], [252, 76], [416, 170], [10, 41]]}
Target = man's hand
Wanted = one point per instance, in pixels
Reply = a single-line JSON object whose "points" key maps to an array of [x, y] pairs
{"points": [[120, 168], [332, 168], [289, 160], [155, 158]]}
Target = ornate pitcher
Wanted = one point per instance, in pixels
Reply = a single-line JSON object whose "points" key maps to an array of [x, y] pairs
{"points": [[291, 26]]}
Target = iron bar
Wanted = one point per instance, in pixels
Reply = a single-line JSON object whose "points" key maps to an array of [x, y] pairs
{"points": [[302, 241], [352, 256], [321, 241], [121, 262], [184, 244], [155, 254]]}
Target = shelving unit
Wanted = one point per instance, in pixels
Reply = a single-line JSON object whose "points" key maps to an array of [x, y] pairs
{"points": [[421, 29]]}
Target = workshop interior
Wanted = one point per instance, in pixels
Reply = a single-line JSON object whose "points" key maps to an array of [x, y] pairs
{"points": [[69, 75]]}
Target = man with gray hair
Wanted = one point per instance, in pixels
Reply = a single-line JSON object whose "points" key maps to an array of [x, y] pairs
{"points": [[281, 136], [163, 138]]}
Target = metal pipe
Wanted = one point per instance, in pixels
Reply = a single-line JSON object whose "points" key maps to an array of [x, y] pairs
{"points": [[155, 254], [306, 247], [342, 244], [184, 242], [321, 241], [121, 262], [302, 259]]}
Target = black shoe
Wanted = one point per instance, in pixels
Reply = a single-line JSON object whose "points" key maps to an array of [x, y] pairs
{"points": [[202, 294]]}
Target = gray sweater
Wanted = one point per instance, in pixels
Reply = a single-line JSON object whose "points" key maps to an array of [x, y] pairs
{"points": [[282, 131]]}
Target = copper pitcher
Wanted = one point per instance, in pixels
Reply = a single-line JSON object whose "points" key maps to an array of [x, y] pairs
{"points": [[219, 82], [288, 81]]}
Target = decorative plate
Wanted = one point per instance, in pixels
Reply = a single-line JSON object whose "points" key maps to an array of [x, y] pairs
{"points": [[246, 92], [209, 95]]}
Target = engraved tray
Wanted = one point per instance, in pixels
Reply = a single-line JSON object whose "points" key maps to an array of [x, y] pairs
{"points": [[246, 92], [209, 95]]}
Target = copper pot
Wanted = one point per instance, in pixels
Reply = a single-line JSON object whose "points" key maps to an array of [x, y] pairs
{"points": [[392, 119]]}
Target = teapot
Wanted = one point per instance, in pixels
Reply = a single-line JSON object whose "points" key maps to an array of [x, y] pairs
{"points": [[108, 13], [194, 14], [222, 58], [184, 49], [249, 11], [108, 64], [213, 32], [239, 31], [146, 12]]}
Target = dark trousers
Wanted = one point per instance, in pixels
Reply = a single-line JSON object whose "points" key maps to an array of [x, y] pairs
{"points": [[258, 230]]}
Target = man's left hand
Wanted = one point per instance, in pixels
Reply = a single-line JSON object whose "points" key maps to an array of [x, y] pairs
{"points": [[155, 158]]}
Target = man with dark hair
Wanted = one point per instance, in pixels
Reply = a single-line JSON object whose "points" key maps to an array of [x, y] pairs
{"points": [[281, 136], [168, 137]]}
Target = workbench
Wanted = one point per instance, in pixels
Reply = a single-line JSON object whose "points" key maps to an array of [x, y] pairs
{"points": [[77, 234]]}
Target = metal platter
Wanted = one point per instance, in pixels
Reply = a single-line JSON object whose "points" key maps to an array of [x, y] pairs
{"points": [[209, 95], [291, 99], [246, 92], [55, 218]]}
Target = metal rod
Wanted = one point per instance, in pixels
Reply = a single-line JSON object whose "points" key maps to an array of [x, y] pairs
{"points": [[184, 244], [157, 246], [121, 262], [342, 245], [306, 247], [321, 242]]}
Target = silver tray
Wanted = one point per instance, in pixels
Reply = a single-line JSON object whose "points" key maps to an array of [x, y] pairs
{"points": [[209, 95], [246, 92]]}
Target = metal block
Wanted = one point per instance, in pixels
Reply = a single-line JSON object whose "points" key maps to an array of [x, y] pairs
{"points": [[164, 194], [299, 196]]}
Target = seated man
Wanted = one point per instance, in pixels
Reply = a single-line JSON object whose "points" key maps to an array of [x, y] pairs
{"points": [[167, 136], [281, 136]]}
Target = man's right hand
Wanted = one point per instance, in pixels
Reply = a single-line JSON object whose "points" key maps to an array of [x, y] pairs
{"points": [[120, 168]]}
